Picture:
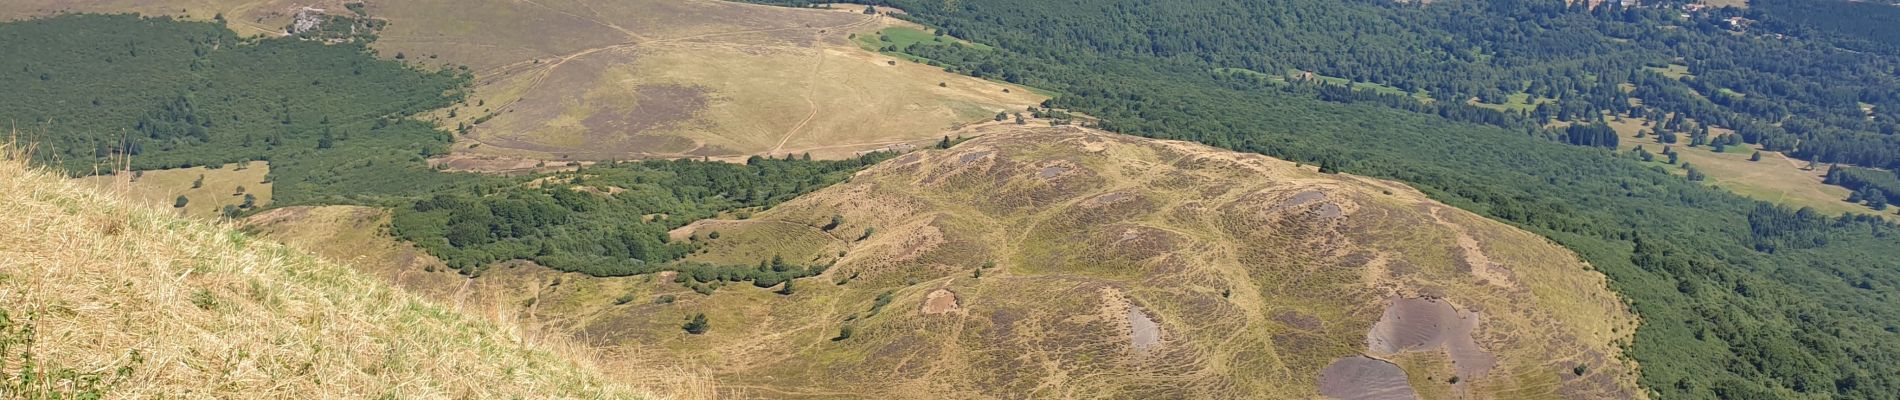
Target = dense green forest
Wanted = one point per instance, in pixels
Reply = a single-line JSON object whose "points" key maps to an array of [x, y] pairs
{"points": [[157, 93], [609, 220], [1740, 299], [338, 126], [1789, 83], [1875, 188]]}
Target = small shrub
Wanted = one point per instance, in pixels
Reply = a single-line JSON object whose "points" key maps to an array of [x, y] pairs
{"points": [[843, 333], [697, 325], [204, 299]]}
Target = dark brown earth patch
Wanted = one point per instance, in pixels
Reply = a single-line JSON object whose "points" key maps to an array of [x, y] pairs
{"points": [[1362, 378], [1050, 172], [970, 157], [1297, 320], [656, 108]]}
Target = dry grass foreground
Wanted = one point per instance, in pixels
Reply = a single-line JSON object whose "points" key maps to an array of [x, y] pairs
{"points": [[1040, 262], [125, 301]]}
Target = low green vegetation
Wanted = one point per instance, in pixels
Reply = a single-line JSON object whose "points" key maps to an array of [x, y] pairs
{"points": [[900, 41], [612, 220]]}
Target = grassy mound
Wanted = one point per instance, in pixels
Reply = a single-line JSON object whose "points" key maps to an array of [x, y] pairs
{"points": [[102, 298]]}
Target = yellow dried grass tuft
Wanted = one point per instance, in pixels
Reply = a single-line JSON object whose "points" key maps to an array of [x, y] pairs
{"points": [[126, 301]]}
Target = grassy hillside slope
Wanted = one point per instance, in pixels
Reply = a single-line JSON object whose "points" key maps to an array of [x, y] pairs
{"points": [[1063, 263], [1069, 263], [103, 297]]}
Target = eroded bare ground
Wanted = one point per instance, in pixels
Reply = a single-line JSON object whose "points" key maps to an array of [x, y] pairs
{"points": [[1362, 378]]}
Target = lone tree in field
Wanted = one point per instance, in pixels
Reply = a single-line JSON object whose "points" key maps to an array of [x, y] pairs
{"points": [[180, 202], [1001, 116], [198, 183], [697, 325], [836, 220], [1755, 157], [945, 144], [870, 10]]}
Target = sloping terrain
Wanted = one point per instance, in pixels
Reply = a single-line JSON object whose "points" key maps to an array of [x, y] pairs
{"points": [[101, 297], [603, 80], [1058, 262]]}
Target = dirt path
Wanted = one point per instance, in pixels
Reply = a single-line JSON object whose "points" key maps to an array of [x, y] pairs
{"points": [[811, 88]]}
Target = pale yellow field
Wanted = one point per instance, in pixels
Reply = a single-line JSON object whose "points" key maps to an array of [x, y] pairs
{"points": [[1776, 178], [599, 80], [161, 188]]}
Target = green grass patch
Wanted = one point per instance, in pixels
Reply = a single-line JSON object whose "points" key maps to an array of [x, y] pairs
{"points": [[1515, 102], [1673, 71], [893, 41]]}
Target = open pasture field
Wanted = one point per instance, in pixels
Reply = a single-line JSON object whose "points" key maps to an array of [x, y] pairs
{"points": [[596, 80], [218, 187], [1776, 178]]}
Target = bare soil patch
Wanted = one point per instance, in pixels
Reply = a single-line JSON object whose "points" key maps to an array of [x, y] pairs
{"points": [[941, 301], [1429, 324], [1362, 378], [1145, 332]]}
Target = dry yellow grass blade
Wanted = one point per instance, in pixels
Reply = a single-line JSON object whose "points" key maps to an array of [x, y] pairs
{"points": [[125, 301]]}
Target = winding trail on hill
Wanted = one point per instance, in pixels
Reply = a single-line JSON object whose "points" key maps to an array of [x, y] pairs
{"points": [[811, 88]]}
